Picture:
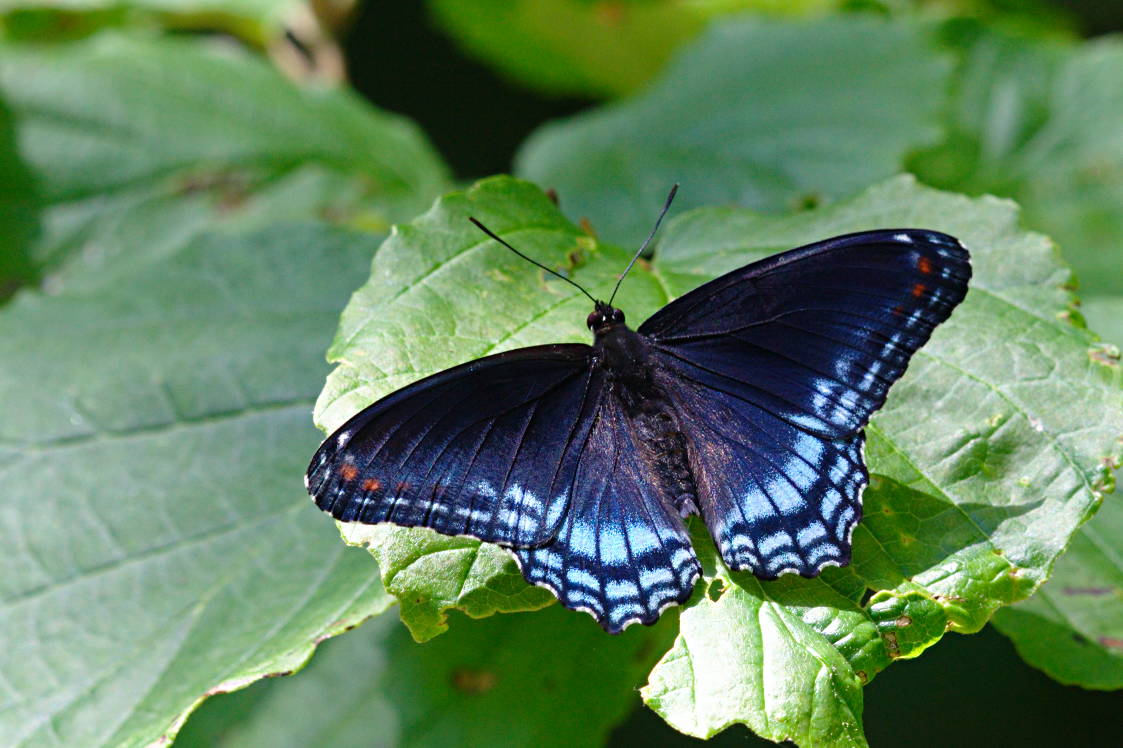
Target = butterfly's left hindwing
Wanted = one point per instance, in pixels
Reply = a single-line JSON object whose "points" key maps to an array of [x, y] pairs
{"points": [[487, 449]]}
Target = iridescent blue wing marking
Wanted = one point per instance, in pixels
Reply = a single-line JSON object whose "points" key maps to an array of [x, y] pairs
{"points": [[487, 449], [777, 367], [816, 335], [621, 553]]}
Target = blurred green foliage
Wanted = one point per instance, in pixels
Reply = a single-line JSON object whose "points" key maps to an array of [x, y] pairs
{"points": [[182, 225]]}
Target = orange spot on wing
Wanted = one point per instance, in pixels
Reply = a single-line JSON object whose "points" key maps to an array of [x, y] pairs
{"points": [[898, 310], [348, 471], [402, 487], [924, 265], [372, 484], [919, 289]]}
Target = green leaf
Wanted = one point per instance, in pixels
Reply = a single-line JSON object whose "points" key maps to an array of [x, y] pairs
{"points": [[548, 680], [256, 21], [415, 295], [18, 211], [1105, 315], [159, 544], [971, 503], [739, 119], [1043, 124], [589, 48], [969, 506], [1073, 627], [744, 654], [137, 145]]}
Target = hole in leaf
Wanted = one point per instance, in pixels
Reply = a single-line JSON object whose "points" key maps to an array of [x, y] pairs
{"points": [[716, 588]]}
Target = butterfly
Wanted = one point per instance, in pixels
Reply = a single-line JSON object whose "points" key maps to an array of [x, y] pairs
{"points": [[742, 401]]}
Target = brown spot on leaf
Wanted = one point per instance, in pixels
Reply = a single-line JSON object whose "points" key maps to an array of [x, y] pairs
{"points": [[810, 201], [1095, 591], [1105, 354], [588, 227], [1112, 642], [553, 195], [611, 13], [903, 622], [469, 680]]}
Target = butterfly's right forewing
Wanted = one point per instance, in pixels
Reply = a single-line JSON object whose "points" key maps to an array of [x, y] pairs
{"points": [[818, 334], [489, 449]]}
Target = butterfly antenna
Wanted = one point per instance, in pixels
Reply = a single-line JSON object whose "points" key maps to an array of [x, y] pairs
{"points": [[659, 220], [493, 235]]}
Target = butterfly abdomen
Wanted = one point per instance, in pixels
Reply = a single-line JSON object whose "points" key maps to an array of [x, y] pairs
{"points": [[665, 445], [651, 415]]}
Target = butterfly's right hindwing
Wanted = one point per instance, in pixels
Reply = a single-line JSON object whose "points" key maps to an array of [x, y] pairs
{"points": [[622, 552], [488, 449]]}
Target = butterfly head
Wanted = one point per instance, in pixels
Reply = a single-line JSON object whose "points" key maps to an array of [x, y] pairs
{"points": [[603, 317]]}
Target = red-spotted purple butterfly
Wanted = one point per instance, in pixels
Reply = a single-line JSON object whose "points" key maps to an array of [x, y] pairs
{"points": [[743, 401]]}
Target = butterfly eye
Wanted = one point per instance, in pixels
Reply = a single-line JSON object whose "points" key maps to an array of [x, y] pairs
{"points": [[617, 316], [594, 320]]}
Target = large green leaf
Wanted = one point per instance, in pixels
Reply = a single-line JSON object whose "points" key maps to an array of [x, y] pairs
{"points": [[136, 145], [1043, 123], [590, 48], [987, 457], [971, 502], [1105, 315], [764, 115], [606, 49], [18, 210], [256, 21], [417, 294], [1073, 627], [547, 680], [159, 545]]}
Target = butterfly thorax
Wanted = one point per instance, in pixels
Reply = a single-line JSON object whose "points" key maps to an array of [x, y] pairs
{"points": [[624, 357]]}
